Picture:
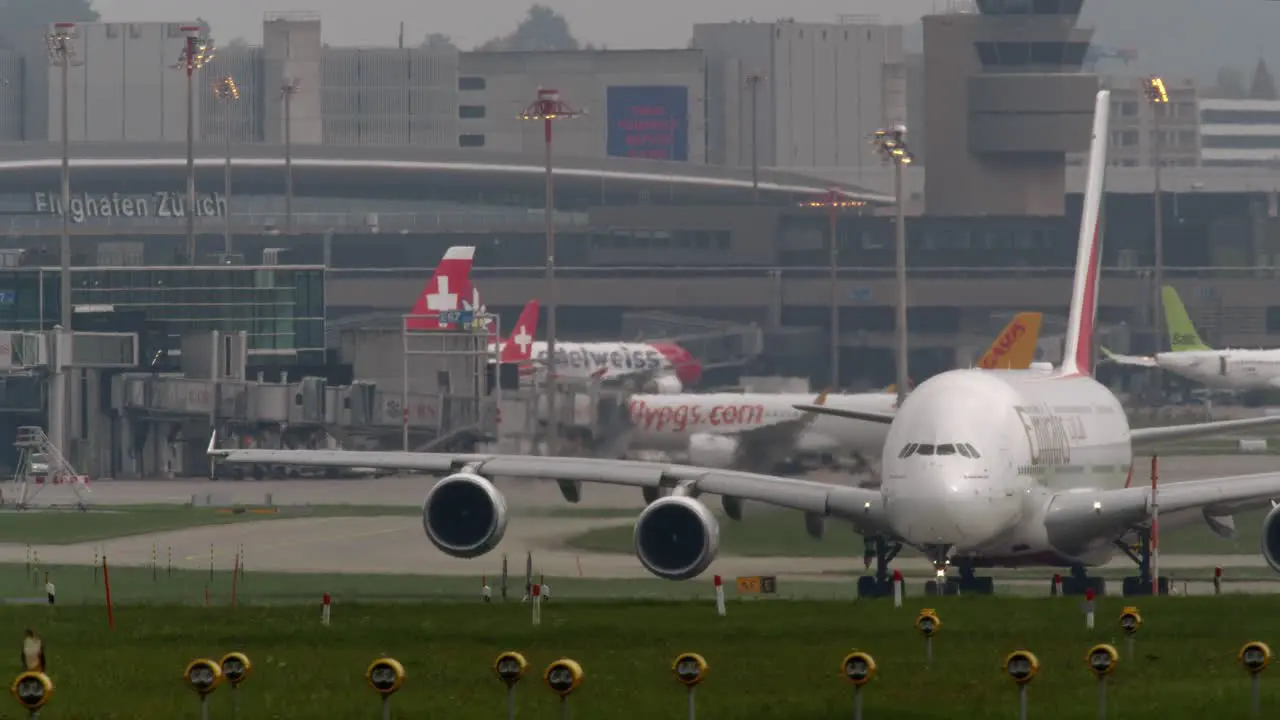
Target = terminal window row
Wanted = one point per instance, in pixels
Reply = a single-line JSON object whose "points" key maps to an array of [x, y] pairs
{"points": [[634, 239], [1030, 7], [1010, 54]]}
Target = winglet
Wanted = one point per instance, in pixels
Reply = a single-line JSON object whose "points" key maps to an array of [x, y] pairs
{"points": [[822, 398], [1077, 357]]}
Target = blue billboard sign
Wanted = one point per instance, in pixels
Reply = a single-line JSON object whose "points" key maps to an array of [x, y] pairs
{"points": [[648, 121]]}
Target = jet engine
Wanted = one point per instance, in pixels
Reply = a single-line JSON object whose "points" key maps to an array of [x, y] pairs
{"points": [[715, 451], [464, 515], [666, 385], [676, 537], [1271, 538]]}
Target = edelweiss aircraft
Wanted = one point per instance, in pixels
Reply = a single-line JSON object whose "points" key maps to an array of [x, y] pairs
{"points": [[765, 432], [981, 468], [1192, 359], [667, 367]]}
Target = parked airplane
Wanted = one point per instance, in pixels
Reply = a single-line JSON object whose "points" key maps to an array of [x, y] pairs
{"points": [[666, 367], [764, 432], [982, 467], [1228, 369]]}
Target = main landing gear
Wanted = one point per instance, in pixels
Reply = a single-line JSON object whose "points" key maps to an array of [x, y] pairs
{"points": [[1079, 583], [1140, 584], [881, 552]]}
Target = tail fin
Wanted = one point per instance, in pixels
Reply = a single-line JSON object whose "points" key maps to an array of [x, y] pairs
{"points": [[1077, 356], [448, 287], [1182, 334], [1015, 347], [519, 347], [893, 389]]}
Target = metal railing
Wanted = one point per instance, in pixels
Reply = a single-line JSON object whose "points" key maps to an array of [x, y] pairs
{"points": [[812, 272]]}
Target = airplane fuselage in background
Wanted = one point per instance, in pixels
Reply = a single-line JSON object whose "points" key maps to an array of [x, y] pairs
{"points": [[1225, 369], [1036, 434], [669, 422]]}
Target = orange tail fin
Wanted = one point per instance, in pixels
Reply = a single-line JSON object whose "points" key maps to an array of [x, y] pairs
{"points": [[1015, 346]]}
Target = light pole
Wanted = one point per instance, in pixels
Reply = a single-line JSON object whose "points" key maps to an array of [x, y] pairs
{"points": [[833, 200], [753, 83], [61, 45], [1158, 96], [226, 91], [893, 147], [549, 108], [287, 91], [197, 51]]}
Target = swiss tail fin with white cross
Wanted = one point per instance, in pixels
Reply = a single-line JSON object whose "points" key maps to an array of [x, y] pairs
{"points": [[519, 347], [448, 287]]}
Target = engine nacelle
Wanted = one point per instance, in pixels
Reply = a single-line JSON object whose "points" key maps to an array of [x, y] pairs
{"points": [[714, 451], [464, 515], [666, 385], [1271, 538], [676, 538]]}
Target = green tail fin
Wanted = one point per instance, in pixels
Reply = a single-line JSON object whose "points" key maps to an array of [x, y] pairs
{"points": [[1182, 334]]}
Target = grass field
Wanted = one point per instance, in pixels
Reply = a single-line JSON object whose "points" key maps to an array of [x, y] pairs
{"points": [[767, 533], [69, 526], [775, 660]]}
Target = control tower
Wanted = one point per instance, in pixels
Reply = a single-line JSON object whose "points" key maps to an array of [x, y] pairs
{"points": [[1005, 100]]}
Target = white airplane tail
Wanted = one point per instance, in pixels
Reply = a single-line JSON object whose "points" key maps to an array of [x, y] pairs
{"points": [[1077, 356]]}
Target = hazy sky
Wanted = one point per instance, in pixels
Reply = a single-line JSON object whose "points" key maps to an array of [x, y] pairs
{"points": [[1174, 36]]}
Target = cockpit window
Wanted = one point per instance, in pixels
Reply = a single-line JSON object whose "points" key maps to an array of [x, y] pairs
{"points": [[972, 452], [963, 450], [924, 450], [946, 449]]}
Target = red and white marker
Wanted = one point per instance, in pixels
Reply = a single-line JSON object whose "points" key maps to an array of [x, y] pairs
{"points": [[897, 588], [719, 596], [1056, 590], [1088, 608], [325, 601], [1217, 580], [537, 603]]}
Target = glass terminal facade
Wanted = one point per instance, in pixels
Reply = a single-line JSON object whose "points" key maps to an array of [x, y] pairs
{"points": [[282, 308]]}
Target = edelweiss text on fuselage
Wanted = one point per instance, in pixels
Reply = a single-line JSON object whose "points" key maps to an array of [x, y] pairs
{"points": [[615, 359]]}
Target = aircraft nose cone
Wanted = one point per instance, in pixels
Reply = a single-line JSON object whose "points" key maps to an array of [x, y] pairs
{"points": [[934, 509]]}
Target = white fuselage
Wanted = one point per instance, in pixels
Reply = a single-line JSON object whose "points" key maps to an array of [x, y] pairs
{"points": [[1225, 369], [1036, 434], [668, 422]]}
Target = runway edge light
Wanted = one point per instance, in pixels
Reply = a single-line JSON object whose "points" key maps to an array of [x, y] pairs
{"points": [[1255, 656], [690, 670], [32, 690], [858, 668], [1022, 666]]}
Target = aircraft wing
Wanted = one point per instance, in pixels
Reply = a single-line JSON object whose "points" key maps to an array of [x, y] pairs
{"points": [[863, 508], [1152, 435], [1134, 360], [872, 416], [1092, 513]]}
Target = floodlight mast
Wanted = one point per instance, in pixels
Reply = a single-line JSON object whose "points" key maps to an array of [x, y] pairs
{"points": [[893, 148], [60, 42], [288, 89], [548, 107], [227, 92], [834, 200], [1158, 96], [196, 53]]}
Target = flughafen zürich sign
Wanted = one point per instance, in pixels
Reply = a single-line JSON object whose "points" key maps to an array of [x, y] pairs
{"points": [[87, 206]]}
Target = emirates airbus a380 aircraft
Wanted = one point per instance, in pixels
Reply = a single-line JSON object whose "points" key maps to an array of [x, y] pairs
{"points": [[1042, 478]]}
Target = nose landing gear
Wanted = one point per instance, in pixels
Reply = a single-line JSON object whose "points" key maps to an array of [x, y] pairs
{"points": [[968, 583]]}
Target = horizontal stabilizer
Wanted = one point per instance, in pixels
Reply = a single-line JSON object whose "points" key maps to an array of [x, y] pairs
{"points": [[1136, 360]]}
